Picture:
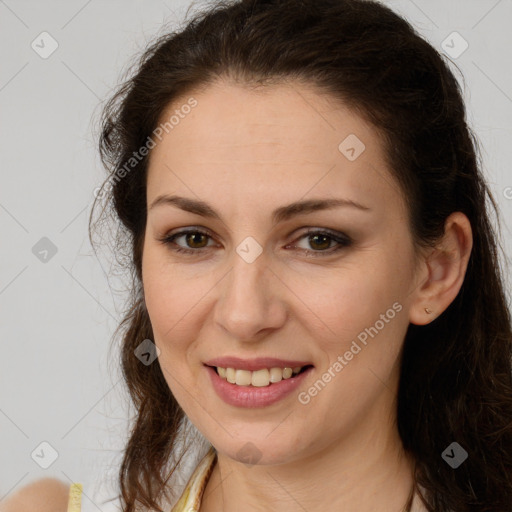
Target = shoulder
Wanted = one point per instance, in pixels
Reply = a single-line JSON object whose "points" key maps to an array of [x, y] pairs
{"points": [[44, 495]]}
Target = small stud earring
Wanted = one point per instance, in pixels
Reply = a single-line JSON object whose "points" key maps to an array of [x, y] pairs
{"points": [[428, 311]]}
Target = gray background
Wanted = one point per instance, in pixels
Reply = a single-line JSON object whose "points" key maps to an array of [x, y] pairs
{"points": [[58, 382]]}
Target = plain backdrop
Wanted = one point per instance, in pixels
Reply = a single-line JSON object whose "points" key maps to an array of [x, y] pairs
{"points": [[59, 384]]}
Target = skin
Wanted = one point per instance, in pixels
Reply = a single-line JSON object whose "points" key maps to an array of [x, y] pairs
{"points": [[246, 153], [44, 495]]}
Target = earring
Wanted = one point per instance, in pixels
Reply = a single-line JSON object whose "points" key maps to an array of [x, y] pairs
{"points": [[428, 311]]}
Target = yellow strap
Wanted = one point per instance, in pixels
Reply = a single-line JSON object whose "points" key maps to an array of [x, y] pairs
{"points": [[75, 498]]}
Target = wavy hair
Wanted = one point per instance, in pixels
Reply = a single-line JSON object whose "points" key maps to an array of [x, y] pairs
{"points": [[456, 372]]}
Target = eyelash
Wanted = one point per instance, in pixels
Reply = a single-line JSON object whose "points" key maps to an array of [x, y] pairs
{"points": [[341, 239]]}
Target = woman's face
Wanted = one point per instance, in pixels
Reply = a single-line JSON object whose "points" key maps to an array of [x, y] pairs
{"points": [[322, 286]]}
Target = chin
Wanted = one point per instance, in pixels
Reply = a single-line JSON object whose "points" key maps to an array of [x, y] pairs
{"points": [[258, 450]]}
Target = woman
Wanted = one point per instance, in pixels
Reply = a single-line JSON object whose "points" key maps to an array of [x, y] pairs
{"points": [[316, 286]]}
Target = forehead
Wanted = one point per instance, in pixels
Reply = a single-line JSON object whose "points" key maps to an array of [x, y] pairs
{"points": [[293, 119], [280, 138]]}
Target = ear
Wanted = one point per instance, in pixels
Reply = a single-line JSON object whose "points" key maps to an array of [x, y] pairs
{"points": [[443, 270]]}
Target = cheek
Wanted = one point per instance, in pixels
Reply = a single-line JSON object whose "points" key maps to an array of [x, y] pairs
{"points": [[361, 303], [349, 297], [169, 302], [168, 293]]}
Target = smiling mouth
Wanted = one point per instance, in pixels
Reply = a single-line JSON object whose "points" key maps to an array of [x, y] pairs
{"points": [[259, 378]]}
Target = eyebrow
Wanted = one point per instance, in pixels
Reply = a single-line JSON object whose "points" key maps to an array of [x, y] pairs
{"points": [[278, 215]]}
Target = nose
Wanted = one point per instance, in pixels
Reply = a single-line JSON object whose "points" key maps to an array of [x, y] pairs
{"points": [[251, 302]]}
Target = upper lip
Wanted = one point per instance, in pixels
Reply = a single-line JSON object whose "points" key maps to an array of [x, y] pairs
{"points": [[257, 363]]}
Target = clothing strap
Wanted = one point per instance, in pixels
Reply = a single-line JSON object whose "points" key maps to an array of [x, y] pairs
{"points": [[75, 498]]}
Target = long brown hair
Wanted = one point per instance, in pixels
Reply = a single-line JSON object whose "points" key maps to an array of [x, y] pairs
{"points": [[456, 372]]}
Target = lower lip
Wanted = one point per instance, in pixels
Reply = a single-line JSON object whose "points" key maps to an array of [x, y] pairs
{"points": [[252, 396]]}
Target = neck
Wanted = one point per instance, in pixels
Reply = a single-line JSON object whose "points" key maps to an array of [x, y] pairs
{"points": [[367, 471]]}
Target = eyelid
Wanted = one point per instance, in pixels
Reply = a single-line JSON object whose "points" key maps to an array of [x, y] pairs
{"points": [[170, 237], [341, 239]]}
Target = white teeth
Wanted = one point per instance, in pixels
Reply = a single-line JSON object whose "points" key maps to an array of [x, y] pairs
{"points": [[242, 377], [231, 375], [258, 378], [276, 375]]}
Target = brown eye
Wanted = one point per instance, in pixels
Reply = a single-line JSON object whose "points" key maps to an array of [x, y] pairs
{"points": [[323, 243], [320, 242], [195, 239]]}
